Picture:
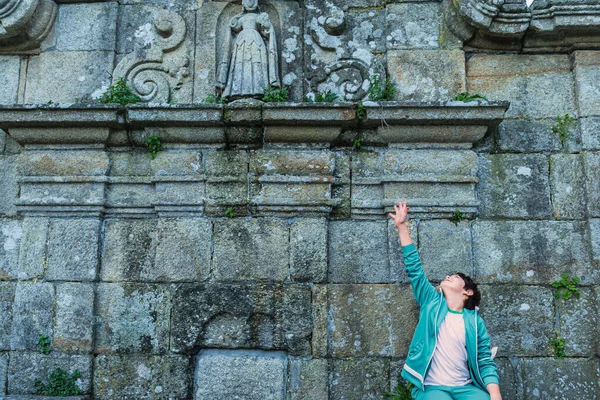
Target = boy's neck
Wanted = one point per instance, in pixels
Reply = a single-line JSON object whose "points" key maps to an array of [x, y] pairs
{"points": [[455, 303]]}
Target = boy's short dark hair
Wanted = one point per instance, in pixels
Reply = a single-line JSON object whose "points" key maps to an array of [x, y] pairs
{"points": [[472, 301]]}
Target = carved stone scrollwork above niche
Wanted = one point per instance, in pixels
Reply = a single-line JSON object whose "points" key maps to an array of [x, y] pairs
{"points": [[24, 24]]}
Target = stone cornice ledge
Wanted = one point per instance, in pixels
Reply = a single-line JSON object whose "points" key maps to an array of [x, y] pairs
{"points": [[453, 124]]}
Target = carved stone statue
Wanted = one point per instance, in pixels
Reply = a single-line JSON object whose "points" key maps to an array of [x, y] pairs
{"points": [[250, 58]]}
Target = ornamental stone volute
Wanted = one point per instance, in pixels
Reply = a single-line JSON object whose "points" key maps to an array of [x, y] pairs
{"points": [[25, 23]]}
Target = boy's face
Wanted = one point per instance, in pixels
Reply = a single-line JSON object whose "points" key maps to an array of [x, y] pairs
{"points": [[453, 283]]}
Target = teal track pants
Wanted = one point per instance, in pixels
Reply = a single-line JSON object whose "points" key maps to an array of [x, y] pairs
{"points": [[467, 392]]}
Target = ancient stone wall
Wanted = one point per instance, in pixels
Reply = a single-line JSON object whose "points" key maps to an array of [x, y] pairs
{"points": [[253, 257]]}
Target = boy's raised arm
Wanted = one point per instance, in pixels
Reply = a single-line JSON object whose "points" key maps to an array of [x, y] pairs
{"points": [[423, 290]]}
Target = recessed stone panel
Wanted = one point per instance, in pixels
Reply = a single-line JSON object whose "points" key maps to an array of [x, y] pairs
{"points": [[308, 250]]}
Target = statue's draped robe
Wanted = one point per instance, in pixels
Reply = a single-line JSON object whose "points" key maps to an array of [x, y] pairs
{"points": [[248, 64]]}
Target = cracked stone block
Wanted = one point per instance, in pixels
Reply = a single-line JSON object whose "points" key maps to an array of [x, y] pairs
{"points": [[370, 320], [514, 186], [24, 368], [427, 75], [133, 317], [229, 374], [33, 315], [527, 135], [587, 81], [74, 317], [357, 252], [509, 373], [308, 250], [9, 80], [138, 376], [86, 26], [73, 249], [7, 295], [566, 379], [534, 252], [320, 322], [11, 233], [592, 172], [578, 321], [251, 249], [519, 319], [445, 248], [307, 379], [365, 378], [567, 183]]}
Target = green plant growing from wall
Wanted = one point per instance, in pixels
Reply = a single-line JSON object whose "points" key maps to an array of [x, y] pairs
{"points": [[44, 343], [154, 144], [325, 97], [381, 91], [456, 217], [468, 97], [558, 346], [566, 287], [275, 95], [361, 111], [229, 213], [212, 99], [401, 392], [119, 93], [59, 384], [357, 144], [563, 126]]}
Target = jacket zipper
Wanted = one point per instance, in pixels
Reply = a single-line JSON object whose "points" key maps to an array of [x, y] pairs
{"points": [[477, 348], [434, 344]]}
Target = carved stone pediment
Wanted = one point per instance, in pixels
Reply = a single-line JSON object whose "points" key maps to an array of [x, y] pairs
{"points": [[24, 24]]}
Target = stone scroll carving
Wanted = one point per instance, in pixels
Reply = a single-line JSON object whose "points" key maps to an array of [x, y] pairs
{"points": [[151, 75], [25, 23], [250, 60]]}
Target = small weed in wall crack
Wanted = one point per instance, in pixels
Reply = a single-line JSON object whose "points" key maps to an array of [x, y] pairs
{"points": [[154, 144], [401, 392], [381, 91], [566, 287], [44, 343], [456, 217], [468, 97], [562, 127], [229, 213], [361, 111], [59, 384], [326, 97], [275, 95], [119, 93], [558, 345]]}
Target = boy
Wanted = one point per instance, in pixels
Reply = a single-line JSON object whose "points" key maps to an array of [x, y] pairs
{"points": [[449, 357]]}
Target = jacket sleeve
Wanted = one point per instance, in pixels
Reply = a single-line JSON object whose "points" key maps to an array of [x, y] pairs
{"points": [[423, 290], [487, 367]]}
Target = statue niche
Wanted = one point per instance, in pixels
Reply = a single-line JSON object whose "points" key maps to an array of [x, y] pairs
{"points": [[249, 59]]}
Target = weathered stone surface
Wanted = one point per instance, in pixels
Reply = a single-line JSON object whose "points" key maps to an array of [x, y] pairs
{"points": [[67, 76], [9, 80], [567, 183], [25, 367], [86, 26], [133, 317], [136, 376], [74, 317], [560, 379], [3, 372], [7, 295], [595, 234], [514, 186], [320, 320], [33, 315], [63, 163], [427, 75], [272, 317], [11, 233], [230, 374], [445, 248], [358, 378], [307, 379], [526, 135], [592, 172], [587, 82], [531, 83], [255, 249], [531, 251], [226, 182], [509, 373], [357, 252], [129, 249], [413, 26], [308, 250], [519, 319], [8, 185], [73, 249], [578, 322], [370, 320], [183, 251], [590, 133]]}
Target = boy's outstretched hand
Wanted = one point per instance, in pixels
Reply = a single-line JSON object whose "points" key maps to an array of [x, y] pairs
{"points": [[401, 213]]}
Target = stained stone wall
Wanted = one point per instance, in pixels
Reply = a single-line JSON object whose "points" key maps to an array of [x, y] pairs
{"points": [[142, 282]]}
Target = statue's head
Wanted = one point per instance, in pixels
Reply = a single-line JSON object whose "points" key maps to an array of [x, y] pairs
{"points": [[250, 5]]}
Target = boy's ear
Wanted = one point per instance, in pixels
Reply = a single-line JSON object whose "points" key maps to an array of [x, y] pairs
{"points": [[468, 292]]}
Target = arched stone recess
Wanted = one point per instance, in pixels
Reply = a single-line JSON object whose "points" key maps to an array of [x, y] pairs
{"points": [[161, 71], [24, 24], [213, 33]]}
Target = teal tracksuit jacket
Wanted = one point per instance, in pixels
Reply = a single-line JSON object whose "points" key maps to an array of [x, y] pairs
{"points": [[433, 310]]}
